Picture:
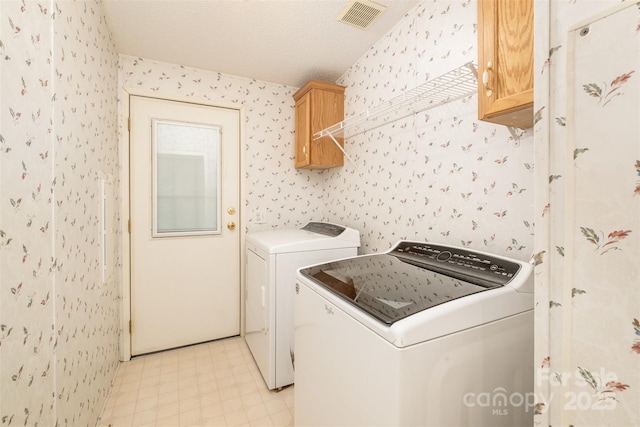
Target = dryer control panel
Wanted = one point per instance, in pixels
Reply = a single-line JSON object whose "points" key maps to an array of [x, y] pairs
{"points": [[326, 228], [476, 267]]}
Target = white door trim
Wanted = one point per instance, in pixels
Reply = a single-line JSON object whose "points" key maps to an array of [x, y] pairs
{"points": [[124, 144]]}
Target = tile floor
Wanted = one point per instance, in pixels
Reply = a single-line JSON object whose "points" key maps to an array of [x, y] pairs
{"points": [[211, 384]]}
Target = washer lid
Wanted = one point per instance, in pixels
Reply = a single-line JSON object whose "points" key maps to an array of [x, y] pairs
{"points": [[420, 291], [387, 287], [412, 277]]}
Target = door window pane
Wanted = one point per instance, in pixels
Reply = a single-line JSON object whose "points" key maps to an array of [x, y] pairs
{"points": [[186, 159]]}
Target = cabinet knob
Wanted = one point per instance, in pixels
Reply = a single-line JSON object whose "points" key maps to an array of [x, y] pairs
{"points": [[231, 226], [485, 79]]}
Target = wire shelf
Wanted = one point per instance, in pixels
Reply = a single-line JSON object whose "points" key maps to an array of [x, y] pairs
{"points": [[451, 86]]}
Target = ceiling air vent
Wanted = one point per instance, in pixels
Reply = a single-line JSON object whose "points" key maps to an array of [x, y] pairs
{"points": [[361, 13]]}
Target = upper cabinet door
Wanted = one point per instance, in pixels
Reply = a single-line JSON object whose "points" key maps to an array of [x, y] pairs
{"points": [[505, 62], [303, 131], [318, 106]]}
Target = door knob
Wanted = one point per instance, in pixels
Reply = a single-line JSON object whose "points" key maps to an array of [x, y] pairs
{"points": [[231, 226]]}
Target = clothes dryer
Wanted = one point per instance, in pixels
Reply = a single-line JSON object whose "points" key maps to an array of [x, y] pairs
{"points": [[272, 258]]}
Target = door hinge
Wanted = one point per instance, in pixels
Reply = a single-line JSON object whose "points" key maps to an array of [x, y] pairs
{"points": [[129, 226], [129, 124], [130, 326]]}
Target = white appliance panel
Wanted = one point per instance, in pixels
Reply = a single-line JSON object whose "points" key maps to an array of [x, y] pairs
{"points": [[346, 375], [257, 321], [285, 279], [330, 341]]}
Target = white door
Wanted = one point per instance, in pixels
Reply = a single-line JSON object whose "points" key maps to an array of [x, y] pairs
{"points": [[184, 200]]}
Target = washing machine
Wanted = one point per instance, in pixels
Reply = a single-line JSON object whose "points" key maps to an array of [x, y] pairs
{"points": [[272, 258], [423, 335]]}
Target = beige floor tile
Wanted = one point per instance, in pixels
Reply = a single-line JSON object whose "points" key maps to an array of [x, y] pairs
{"points": [[187, 378], [206, 377], [126, 397], [191, 418], [209, 397], [149, 392], [144, 417], [170, 377], [151, 371], [282, 418], [229, 393], [150, 380], [247, 388], [189, 392], [188, 405], [208, 387], [126, 386], [172, 396], [123, 410], [244, 377], [223, 372], [216, 422], [169, 370], [289, 400], [212, 411], [226, 382], [251, 398], [126, 421], [168, 357], [262, 422], [146, 404], [171, 421], [212, 384], [256, 411], [265, 393], [236, 418], [232, 405], [169, 387], [275, 405], [134, 365], [168, 410]]}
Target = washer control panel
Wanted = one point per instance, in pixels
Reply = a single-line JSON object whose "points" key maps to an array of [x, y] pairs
{"points": [[475, 267]]}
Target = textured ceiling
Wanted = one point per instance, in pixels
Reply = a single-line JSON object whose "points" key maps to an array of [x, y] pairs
{"points": [[281, 41]]}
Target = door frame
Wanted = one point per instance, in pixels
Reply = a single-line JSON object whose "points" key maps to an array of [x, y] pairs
{"points": [[124, 191]]}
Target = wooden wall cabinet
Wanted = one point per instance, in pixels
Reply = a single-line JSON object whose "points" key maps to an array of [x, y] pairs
{"points": [[318, 106], [505, 62]]}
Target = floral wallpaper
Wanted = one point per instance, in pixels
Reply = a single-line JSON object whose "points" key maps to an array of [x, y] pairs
{"points": [[442, 175], [59, 321], [27, 335], [587, 274]]}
